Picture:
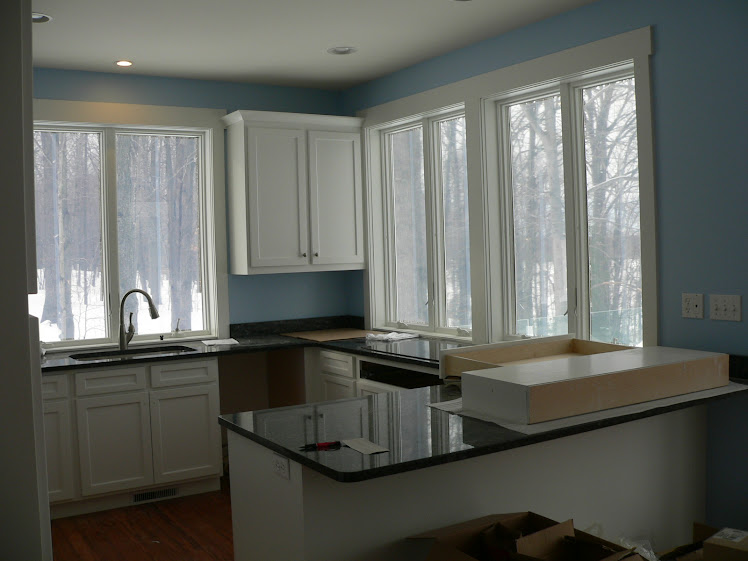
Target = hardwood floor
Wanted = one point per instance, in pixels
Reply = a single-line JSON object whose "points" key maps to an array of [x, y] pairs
{"points": [[194, 528]]}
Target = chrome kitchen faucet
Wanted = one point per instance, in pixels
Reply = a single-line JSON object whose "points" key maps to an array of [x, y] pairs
{"points": [[126, 336]]}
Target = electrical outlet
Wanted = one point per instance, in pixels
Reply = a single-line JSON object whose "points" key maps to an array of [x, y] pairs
{"points": [[692, 305], [281, 467], [725, 307]]}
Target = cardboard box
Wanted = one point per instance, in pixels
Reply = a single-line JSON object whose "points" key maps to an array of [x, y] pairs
{"points": [[727, 545], [693, 551], [522, 536], [537, 392], [454, 362]]}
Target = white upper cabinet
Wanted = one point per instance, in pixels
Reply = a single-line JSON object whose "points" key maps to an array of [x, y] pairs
{"points": [[277, 197], [336, 212], [295, 195]]}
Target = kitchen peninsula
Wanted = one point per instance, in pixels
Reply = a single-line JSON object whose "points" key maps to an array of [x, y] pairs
{"points": [[639, 474]]}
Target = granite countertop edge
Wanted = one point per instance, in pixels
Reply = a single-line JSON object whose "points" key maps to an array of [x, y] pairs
{"points": [[522, 440]]}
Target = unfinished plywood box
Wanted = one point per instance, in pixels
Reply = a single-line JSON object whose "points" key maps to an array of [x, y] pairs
{"points": [[456, 361], [533, 392]]}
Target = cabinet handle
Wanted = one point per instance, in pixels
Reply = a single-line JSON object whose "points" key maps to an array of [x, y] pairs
{"points": [[316, 253], [303, 254]]}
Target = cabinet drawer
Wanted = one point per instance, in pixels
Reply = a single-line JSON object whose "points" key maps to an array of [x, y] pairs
{"points": [[181, 373], [110, 381], [336, 363], [54, 387]]}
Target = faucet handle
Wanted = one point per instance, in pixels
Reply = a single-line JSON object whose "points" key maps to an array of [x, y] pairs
{"points": [[130, 329]]}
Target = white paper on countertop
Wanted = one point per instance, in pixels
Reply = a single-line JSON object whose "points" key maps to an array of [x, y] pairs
{"points": [[213, 342], [394, 336], [455, 406], [364, 446]]}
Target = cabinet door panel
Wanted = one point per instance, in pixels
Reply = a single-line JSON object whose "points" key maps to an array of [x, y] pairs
{"points": [[277, 186], [336, 387], [58, 439], [186, 435], [114, 437], [335, 197]]}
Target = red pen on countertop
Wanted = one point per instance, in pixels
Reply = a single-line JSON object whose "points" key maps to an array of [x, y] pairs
{"points": [[335, 445]]}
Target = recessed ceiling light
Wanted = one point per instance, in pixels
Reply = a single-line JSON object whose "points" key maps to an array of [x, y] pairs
{"points": [[123, 63], [38, 17], [342, 50]]}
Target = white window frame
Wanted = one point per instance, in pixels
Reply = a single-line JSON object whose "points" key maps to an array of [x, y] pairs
{"points": [[478, 96], [436, 302], [575, 193], [110, 119]]}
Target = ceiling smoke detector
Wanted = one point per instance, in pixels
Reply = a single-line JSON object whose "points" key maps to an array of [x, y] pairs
{"points": [[38, 17], [342, 50]]}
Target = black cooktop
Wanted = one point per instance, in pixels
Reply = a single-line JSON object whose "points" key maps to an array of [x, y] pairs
{"points": [[420, 348]]}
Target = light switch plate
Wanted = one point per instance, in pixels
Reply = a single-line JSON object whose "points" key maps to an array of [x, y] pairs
{"points": [[725, 307], [692, 305]]}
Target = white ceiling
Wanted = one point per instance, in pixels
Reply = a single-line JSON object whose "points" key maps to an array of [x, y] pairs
{"points": [[281, 42]]}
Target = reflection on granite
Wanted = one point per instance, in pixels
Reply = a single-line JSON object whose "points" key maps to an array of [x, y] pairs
{"points": [[243, 330], [416, 435]]}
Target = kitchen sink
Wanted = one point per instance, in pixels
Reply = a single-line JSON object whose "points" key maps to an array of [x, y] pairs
{"points": [[134, 352]]}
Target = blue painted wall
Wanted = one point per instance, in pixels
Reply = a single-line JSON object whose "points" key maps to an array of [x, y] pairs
{"points": [[701, 152]]}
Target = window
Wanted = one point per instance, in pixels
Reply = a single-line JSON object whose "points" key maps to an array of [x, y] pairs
{"points": [[557, 157], [603, 230], [117, 209], [427, 224]]}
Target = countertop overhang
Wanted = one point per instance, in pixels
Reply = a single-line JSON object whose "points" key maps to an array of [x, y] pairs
{"points": [[427, 436]]}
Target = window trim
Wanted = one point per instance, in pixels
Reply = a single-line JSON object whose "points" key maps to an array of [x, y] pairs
{"points": [[477, 95], [428, 125], [112, 118], [575, 192]]}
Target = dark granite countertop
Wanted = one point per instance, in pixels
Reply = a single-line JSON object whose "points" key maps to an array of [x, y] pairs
{"points": [[421, 435], [54, 363]]}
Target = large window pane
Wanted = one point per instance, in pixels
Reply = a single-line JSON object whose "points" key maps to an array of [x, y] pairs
{"points": [[539, 219], [453, 169], [158, 229], [409, 213], [613, 212], [67, 182]]}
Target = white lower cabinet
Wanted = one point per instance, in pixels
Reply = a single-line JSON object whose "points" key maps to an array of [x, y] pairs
{"points": [[186, 436], [114, 440], [367, 387], [329, 375], [336, 387], [136, 427], [58, 439]]}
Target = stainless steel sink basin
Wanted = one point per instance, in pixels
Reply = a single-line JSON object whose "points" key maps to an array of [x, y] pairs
{"points": [[134, 352]]}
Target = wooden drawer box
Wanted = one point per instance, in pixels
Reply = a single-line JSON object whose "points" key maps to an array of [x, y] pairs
{"points": [[455, 362], [533, 392]]}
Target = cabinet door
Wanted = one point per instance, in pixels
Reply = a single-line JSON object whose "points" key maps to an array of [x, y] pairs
{"points": [[58, 440], [277, 197], [336, 387], [336, 209], [114, 437], [366, 387], [186, 435]]}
